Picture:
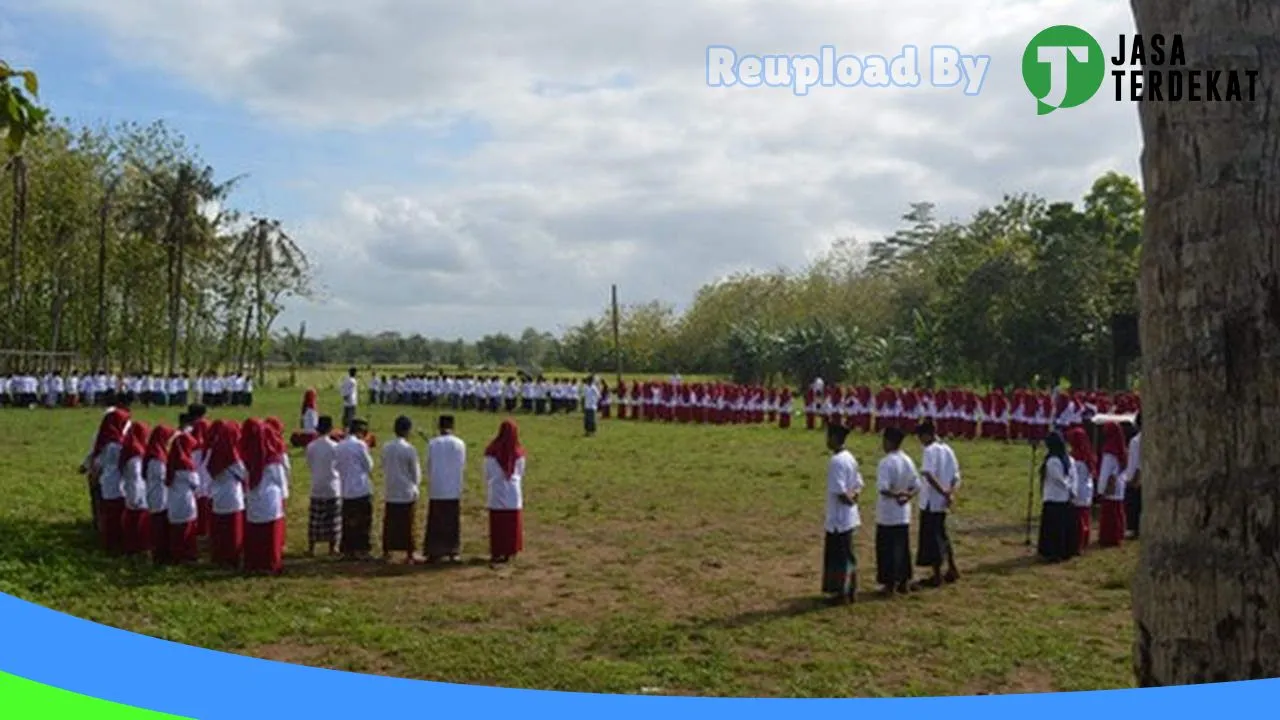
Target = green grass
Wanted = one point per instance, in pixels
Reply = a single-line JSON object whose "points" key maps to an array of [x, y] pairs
{"points": [[661, 559]]}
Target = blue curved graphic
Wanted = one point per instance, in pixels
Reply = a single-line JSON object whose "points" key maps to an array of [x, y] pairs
{"points": [[54, 649]]}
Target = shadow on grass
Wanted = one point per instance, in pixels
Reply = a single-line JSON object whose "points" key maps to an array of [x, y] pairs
{"points": [[793, 608], [61, 557]]}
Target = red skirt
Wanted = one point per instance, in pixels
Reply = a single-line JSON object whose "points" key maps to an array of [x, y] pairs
{"points": [[204, 516], [228, 539], [605, 412], [302, 438], [137, 532], [160, 538], [184, 545], [264, 547], [506, 533], [1111, 523], [784, 421], [1083, 526], [111, 525]]}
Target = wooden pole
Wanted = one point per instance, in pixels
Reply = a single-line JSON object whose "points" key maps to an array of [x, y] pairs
{"points": [[617, 342]]}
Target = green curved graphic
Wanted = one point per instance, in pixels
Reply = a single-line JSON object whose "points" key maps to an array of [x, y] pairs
{"points": [[22, 699]]}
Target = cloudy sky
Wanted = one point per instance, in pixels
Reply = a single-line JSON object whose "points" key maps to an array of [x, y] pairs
{"points": [[458, 168]]}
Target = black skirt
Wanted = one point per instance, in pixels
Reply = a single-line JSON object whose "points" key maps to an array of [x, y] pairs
{"points": [[397, 528], [934, 543], [893, 555], [444, 528], [1058, 534], [357, 526], [839, 564], [589, 421]]}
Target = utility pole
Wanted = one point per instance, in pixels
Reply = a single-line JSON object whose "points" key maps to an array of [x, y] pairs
{"points": [[617, 342]]}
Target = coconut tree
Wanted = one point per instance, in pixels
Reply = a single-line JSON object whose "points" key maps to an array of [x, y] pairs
{"points": [[1206, 596], [276, 266]]}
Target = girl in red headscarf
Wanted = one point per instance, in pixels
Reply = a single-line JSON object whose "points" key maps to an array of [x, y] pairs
{"points": [[201, 430], [227, 470], [310, 416], [105, 465], [153, 462], [1111, 482], [264, 454], [504, 467], [785, 406], [1084, 470], [136, 528], [182, 482]]}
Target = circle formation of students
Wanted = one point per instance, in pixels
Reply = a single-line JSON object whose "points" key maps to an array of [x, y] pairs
{"points": [[159, 491]]}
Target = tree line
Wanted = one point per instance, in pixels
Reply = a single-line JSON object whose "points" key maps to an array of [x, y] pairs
{"points": [[122, 251]]}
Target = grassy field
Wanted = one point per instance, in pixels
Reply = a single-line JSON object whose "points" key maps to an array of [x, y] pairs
{"points": [[660, 559]]}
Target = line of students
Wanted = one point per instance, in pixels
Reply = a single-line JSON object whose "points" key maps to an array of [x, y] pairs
{"points": [[898, 483], [1074, 479], [158, 491], [341, 512], [53, 390]]}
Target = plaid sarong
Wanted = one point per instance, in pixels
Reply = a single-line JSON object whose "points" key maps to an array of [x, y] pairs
{"points": [[326, 520]]}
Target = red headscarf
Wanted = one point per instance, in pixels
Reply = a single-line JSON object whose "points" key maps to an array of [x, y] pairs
{"points": [[111, 429], [200, 430], [135, 444], [1082, 449], [506, 447], [223, 441], [259, 448], [309, 400], [275, 424], [158, 444], [1113, 442], [180, 457]]}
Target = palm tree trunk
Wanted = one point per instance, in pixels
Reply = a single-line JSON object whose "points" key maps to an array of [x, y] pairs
{"points": [[1206, 589], [100, 332], [175, 317], [14, 326], [258, 270]]}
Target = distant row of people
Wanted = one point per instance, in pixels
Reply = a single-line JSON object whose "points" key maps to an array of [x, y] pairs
{"points": [[103, 389]]}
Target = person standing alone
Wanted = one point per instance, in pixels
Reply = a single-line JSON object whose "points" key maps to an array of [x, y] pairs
{"points": [[350, 390]]}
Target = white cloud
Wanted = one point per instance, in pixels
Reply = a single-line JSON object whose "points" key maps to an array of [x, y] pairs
{"points": [[607, 158]]}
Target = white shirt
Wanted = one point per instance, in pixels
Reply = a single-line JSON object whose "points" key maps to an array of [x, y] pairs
{"points": [[1110, 468], [446, 462], [157, 493], [842, 479], [354, 465], [1135, 458], [109, 473], [349, 391], [132, 485], [310, 418], [1083, 496], [227, 490], [265, 503], [895, 474], [1058, 484], [401, 470], [939, 460], [504, 492], [321, 459], [591, 398], [182, 497]]}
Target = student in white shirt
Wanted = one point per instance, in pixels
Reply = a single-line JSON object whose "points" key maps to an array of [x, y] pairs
{"points": [[103, 465], [844, 485], [1084, 465], [446, 464], [1111, 485], [136, 524], [267, 482], [1057, 487], [403, 475], [181, 482], [940, 471], [350, 397], [1133, 481], [325, 523], [154, 462], [227, 470], [590, 406], [504, 468], [355, 467], [896, 484]]}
